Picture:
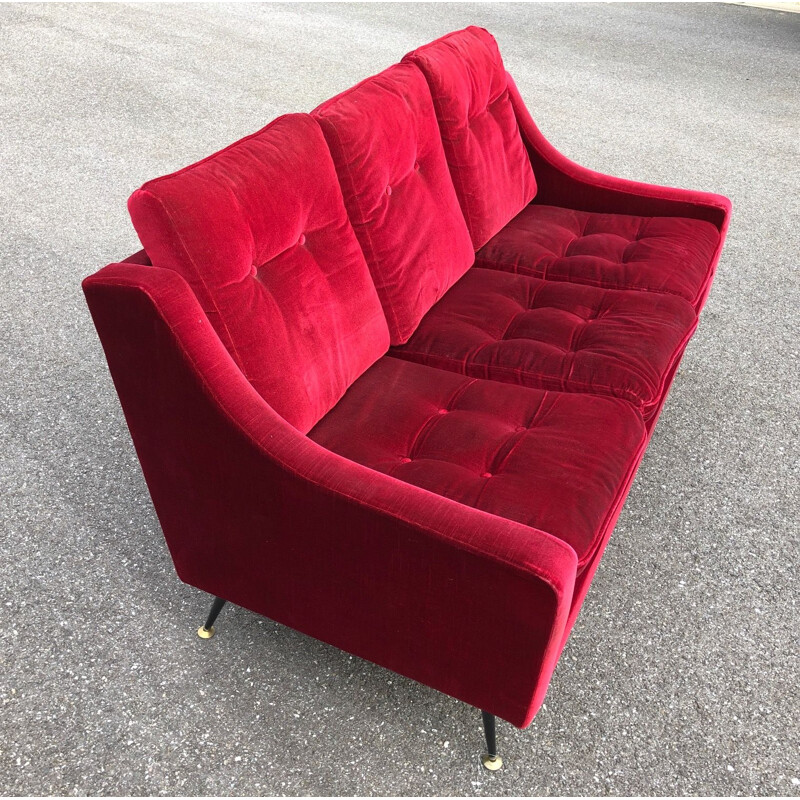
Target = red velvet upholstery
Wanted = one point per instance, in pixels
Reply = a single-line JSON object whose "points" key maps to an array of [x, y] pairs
{"points": [[556, 335], [442, 525], [257, 513], [616, 251], [385, 144], [260, 232], [490, 168], [554, 461], [561, 182]]}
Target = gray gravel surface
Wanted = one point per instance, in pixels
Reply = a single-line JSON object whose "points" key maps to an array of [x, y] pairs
{"points": [[681, 675]]}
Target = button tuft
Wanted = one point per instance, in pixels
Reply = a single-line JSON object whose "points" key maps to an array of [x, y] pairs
{"points": [[302, 240], [388, 190], [486, 475]]}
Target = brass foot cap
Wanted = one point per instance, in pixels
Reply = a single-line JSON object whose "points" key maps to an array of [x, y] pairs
{"points": [[492, 763], [205, 633]]}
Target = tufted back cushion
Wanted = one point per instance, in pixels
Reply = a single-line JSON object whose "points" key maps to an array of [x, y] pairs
{"points": [[386, 146], [260, 232], [491, 170]]}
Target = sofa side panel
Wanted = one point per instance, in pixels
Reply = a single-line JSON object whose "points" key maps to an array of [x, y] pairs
{"points": [[254, 512]]}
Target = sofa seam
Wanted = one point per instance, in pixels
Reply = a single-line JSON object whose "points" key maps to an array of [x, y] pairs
{"points": [[465, 206], [469, 363], [619, 495], [485, 263], [401, 330]]}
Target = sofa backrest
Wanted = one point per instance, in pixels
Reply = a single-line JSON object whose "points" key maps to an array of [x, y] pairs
{"points": [[387, 149], [260, 232], [491, 170]]}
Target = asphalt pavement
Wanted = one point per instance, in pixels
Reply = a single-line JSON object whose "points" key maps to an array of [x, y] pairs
{"points": [[681, 675]]}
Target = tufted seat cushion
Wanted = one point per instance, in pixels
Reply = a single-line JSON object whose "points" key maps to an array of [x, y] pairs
{"points": [[557, 462], [488, 162], [556, 335], [673, 255]]}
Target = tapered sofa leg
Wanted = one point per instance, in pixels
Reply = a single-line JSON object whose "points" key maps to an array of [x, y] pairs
{"points": [[207, 630], [490, 759]]}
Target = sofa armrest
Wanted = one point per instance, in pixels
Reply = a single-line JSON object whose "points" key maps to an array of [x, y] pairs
{"points": [[255, 512], [562, 182]]}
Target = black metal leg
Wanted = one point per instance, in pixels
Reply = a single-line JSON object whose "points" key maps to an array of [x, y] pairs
{"points": [[490, 760], [207, 630]]}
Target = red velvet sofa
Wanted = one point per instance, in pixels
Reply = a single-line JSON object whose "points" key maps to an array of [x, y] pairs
{"points": [[390, 368]]}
